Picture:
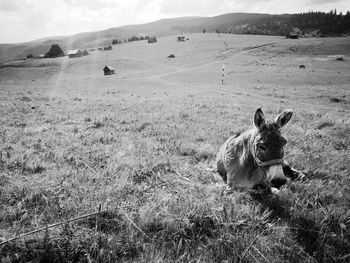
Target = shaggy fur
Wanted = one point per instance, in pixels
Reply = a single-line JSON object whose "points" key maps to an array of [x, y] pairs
{"points": [[237, 159]]}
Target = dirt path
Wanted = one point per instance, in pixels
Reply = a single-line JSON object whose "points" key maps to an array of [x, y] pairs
{"points": [[226, 58], [246, 95]]}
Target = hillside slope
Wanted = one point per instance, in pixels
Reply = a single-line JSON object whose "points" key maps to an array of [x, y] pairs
{"points": [[306, 24], [161, 27]]}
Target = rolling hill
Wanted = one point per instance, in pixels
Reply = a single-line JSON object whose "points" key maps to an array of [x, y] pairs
{"points": [[161, 27], [306, 24]]}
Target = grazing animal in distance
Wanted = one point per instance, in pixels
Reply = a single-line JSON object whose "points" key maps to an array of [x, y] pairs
{"points": [[254, 159], [302, 66]]}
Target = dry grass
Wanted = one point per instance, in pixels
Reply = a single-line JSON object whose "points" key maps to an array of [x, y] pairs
{"points": [[148, 159]]}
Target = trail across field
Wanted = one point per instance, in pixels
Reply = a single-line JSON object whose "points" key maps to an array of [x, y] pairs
{"points": [[228, 57], [229, 87]]}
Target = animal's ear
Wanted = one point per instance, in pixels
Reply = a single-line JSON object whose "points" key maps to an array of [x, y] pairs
{"points": [[283, 118], [259, 118]]}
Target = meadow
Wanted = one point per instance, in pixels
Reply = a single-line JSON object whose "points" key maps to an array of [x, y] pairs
{"points": [[140, 146]]}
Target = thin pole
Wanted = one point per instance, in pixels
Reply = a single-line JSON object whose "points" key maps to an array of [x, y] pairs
{"points": [[47, 227], [223, 74]]}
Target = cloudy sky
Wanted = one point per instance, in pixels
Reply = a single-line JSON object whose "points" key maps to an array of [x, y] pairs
{"points": [[24, 20]]}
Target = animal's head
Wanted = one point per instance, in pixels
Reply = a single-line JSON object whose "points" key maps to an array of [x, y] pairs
{"points": [[268, 146]]}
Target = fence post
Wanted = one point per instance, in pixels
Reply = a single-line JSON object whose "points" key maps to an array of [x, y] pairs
{"points": [[223, 74]]}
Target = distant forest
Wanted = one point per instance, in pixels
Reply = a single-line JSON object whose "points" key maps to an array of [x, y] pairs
{"points": [[311, 24], [306, 24], [130, 39]]}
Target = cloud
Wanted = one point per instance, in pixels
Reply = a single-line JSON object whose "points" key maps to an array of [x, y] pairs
{"points": [[323, 1], [324, 5], [212, 7], [190, 7], [8, 6], [89, 4]]}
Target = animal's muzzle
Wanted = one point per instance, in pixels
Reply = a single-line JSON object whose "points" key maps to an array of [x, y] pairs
{"points": [[278, 182], [275, 176]]}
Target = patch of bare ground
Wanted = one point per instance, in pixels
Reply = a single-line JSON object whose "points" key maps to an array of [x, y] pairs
{"points": [[141, 146]]}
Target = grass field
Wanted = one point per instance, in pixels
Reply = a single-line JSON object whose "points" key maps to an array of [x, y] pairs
{"points": [[141, 144]]}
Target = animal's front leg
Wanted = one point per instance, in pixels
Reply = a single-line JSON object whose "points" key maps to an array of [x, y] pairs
{"points": [[292, 173], [234, 181]]}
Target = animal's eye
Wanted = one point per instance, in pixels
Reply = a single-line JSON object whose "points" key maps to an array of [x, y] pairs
{"points": [[261, 147], [284, 141]]}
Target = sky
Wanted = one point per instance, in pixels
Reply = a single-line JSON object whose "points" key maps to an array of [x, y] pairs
{"points": [[25, 20]]}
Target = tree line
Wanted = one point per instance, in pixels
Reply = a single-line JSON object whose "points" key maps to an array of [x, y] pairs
{"points": [[326, 24], [130, 39]]}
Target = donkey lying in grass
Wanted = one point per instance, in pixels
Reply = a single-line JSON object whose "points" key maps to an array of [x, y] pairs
{"points": [[254, 159]]}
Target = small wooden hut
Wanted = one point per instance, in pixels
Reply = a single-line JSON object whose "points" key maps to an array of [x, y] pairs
{"points": [[75, 53], [181, 38], [109, 47], [292, 35], [152, 40], [55, 51], [108, 70]]}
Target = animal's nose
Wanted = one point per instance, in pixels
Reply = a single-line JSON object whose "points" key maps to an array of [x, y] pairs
{"points": [[278, 182]]}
